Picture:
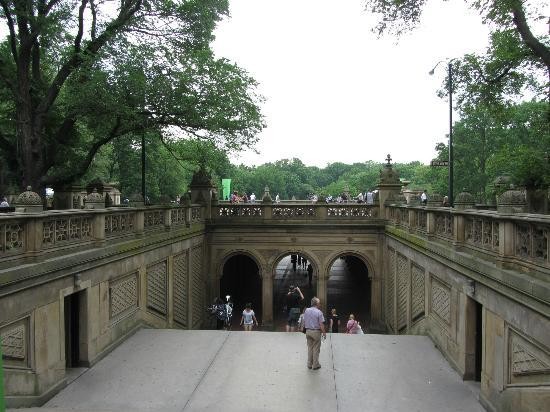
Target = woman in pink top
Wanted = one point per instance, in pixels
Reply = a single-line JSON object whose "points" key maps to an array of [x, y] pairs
{"points": [[352, 326]]}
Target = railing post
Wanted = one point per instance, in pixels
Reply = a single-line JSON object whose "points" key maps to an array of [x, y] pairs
{"points": [[411, 220], [506, 238], [267, 211], [459, 224], [98, 229], [34, 229], [140, 221], [430, 222], [168, 218]]}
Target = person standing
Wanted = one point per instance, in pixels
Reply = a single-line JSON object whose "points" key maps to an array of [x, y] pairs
{"points": [[333, 321], [277, 198], [309, 273], [314, 323], [424, 197], [252, 198], [369, 198], [293, 299], [248, 318], [352, 326]]}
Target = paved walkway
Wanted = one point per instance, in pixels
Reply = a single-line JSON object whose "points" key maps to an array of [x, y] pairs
{"points": [[171, 370]]}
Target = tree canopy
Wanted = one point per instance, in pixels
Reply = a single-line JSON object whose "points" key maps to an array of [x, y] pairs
{"points": [[75, 76]]}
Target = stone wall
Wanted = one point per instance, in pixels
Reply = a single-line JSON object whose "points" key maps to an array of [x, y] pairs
{"points": [[123, 284], [435, 283]]}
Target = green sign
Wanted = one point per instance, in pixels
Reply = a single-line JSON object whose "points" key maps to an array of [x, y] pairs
{"points": [[226, 189], [2, 404]]}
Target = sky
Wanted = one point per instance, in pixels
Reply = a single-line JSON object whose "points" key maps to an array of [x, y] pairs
{"points": [[334, 91]]}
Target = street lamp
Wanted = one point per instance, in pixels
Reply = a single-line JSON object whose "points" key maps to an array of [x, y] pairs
{"points": [[450, 87]]}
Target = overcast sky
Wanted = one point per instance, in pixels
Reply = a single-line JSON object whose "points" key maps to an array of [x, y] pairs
{"points": [[334, 91]]}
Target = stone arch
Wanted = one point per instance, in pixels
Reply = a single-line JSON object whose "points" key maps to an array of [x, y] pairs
{"points": [[349, 252], [354, 292], [289, 251], [235, 252]]}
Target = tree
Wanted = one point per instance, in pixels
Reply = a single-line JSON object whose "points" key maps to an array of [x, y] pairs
{"points": [[76, 76]]}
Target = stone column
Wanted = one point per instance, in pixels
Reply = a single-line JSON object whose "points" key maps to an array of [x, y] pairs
{"points": [[267, 300], [322, 279]]}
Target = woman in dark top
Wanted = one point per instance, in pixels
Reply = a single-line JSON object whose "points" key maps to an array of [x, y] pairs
{"points": [[333, 321]]}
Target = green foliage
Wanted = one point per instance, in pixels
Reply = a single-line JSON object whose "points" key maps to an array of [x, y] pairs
{"points": [[89, 73]]}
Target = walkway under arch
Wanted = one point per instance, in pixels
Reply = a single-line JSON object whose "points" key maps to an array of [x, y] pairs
{"points": [[349, 289], [241, 280]]}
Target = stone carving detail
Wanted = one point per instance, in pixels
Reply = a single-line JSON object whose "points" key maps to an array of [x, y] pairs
{"points": [[11, 237], [153, 219], [240, 210], [526, 363], [417, 286], [422, 220], [444, 225], [197, 289], [156, 288], [482, 233], [293, 211], [180, 288], [402, 289], [390, 290], [119, 223], [13, 342], [532, 241], [178, 216], [441, 301], [70, 229], [352, 211], [196, 214], [123, 295]]}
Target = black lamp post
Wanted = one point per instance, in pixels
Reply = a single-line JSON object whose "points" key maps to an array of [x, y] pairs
{"points": [[450, 88]]}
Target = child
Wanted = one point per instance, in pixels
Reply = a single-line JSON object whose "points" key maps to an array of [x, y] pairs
{"points": [[248, 318], [352, 326]]}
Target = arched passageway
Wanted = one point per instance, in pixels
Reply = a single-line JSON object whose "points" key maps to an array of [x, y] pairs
{"points": [[292, 270], [241, 280], [349, 290]]}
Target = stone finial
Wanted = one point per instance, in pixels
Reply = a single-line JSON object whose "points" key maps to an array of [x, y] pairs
{"points": [[464, 200], [185, 199], [28, 197], [267, 197], [95, 200], [29, 202], [435, 200], [512, 201], [136, 200], [388, 175]]}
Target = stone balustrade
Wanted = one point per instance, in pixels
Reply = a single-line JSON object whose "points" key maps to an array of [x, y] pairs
{"points": [[294, 211], [30, 233], [519, 237]]}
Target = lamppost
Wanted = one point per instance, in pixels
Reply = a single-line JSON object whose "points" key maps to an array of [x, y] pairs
{"points": [[450, 88]]}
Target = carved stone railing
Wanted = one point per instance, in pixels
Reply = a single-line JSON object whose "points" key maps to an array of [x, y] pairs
{"points": [[23, 233], [225, 212], [518, 238]]}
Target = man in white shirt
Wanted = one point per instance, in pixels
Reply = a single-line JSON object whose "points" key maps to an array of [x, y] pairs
{"points": [[370, 198], [424, 197], [252, 198], [277, 199]]}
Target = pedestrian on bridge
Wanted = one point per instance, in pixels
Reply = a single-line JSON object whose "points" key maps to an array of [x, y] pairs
{"points": [[314, 323], [248, 318]]}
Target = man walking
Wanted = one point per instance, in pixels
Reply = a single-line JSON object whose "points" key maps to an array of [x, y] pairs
{"points": [[314, 322]]}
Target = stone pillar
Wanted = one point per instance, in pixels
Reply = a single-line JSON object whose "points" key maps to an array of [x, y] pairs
{"points": [[202, 189], [267, 300], [139, 222], [388, 185], [322, 280], [167, 218], [98, 229], [267, 203], [430, 223]]}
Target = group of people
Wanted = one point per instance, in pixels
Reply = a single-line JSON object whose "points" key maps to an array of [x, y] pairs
{"points": [[244, 198]]}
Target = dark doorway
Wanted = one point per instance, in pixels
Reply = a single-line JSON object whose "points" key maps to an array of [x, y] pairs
{"points": [[349, 290], [74, 328], [292, 270], [479, 341], [241, 280]]}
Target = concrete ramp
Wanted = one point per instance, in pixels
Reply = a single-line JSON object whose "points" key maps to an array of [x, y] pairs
{"points": [[172, 370]]}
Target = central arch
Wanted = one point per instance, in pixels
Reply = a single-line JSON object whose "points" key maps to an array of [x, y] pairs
{"points": [[241, 280]]}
